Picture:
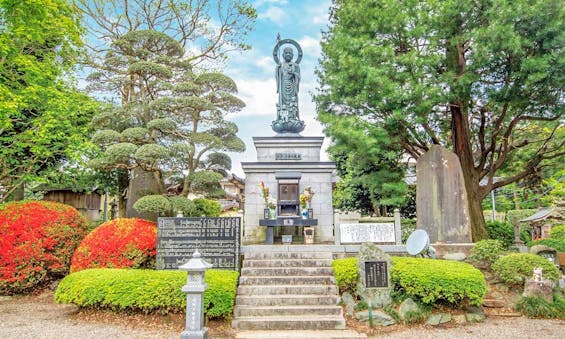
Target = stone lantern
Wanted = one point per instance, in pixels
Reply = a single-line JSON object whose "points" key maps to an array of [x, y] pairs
{"points": [[194, 289]]}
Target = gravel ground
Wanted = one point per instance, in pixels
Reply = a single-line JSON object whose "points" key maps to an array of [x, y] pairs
{"points": [[40, 317]]}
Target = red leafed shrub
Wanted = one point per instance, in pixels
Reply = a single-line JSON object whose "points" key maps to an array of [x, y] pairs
{"points": [[119, 243], [37, 241]]}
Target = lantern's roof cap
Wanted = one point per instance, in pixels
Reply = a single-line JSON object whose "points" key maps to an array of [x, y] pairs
{"points": [[196, 263]]}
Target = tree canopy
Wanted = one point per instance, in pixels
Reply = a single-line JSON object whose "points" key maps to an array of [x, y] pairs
{"points": [[473, 76], [42, 116]]}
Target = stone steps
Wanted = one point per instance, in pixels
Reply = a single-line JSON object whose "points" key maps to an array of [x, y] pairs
{"points": [[321, 334], [287, 291], [286, 300], [288, 322], [287, 263], [285, 271], [288, 255], [286, 280], [254, 311]]}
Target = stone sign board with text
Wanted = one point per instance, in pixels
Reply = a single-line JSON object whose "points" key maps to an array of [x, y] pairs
{"points": [[217, 239], [373, 267], [367, 232]]}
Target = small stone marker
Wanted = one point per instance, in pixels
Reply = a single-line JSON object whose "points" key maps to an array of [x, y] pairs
{"points": [[374, 267], [194, 289], [441, 198]]}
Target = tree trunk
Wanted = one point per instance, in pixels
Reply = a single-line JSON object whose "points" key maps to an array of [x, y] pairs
{"points": [[141, 183], [461, 138], [461, 141]]}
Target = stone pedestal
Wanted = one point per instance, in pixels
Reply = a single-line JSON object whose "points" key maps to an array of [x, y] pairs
{"points": [[288, 159]]}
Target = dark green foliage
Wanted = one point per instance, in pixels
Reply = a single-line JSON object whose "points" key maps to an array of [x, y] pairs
{"points": [[368, 164], [434, 281], [516, 267], [486, 252], [145, 291], [345, 272], [205, 207], [186, 206], [427, 280], [536, 307], [502, 231], [484, 79]]}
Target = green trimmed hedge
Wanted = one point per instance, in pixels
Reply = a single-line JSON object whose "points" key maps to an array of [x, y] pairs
{"points": [[429, 280], [345, 272], [516, 267], [146, 291]]}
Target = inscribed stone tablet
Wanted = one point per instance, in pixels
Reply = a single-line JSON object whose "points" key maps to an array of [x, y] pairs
{"points": [[373, 232]]}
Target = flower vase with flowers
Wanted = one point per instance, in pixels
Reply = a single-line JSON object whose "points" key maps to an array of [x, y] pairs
{"points": [[270, 203], [305, 201]]}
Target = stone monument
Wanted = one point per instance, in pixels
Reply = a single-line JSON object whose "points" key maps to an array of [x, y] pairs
{"points": [[441, 198], [287, 164], [373, 267]]}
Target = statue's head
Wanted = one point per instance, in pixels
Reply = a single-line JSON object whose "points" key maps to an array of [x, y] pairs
{"points": [[288, 54]]}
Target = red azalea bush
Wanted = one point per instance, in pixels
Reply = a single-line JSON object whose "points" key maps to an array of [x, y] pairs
{"points": [[37, 241], [119, 243]]}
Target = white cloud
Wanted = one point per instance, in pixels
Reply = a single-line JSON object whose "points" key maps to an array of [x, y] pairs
{"points": [[274, 14], [310, 46], [260, 3], [259, 96]]}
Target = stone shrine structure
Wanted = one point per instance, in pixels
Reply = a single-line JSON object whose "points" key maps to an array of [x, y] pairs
{"points": [[287, 163], [441, 198]]}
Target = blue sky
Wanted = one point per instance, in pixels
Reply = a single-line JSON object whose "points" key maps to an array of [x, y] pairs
{"points": [[254, 70]]}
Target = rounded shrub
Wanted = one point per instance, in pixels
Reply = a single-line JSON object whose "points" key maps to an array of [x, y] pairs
{"points": [[502, 231], [182, 204], [435, 281], [146, 291], [516, 267], [118, 243], [209, 208], [557, 232], [430, 281], [154, 203], [37, 241], [486, 252]]}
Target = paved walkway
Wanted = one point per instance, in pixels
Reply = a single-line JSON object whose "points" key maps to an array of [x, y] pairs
{"points": [[39, 317]]}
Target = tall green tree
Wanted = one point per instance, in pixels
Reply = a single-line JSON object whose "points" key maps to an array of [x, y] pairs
{"points": [[172, 119], [205, 31], [41, 113], [368, 164], [469, 75]]}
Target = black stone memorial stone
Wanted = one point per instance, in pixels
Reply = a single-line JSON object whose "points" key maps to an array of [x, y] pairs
{"points": [[217, 240], [376, 274]]}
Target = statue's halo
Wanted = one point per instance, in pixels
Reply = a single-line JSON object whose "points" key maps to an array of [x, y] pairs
{"points": [[284, 42]]}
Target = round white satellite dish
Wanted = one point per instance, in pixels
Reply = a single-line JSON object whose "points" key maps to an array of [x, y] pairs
{"points": [[417, 242]]}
